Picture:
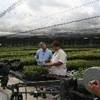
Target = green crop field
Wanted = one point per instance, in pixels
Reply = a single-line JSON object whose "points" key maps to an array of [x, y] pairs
{"points": [[77, 57]]}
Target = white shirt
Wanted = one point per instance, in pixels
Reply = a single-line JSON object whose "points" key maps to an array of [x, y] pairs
{"points": [[59, 56]]}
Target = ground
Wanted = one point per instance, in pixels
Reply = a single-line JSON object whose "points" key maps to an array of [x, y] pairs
{"points": [[13, 80]]}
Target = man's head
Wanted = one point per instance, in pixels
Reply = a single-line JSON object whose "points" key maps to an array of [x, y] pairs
{"points": [[43, 45], [56, 45]]}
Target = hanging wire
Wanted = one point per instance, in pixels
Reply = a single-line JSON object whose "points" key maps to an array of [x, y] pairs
{"points": [[54, 25], [66, 23], [66, 11], [14, 5]]}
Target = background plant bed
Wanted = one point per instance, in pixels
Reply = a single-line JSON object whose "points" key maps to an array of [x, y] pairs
{"points": [[35, 73]]}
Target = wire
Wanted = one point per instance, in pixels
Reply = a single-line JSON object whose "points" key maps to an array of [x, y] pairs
{"points": [[10, 8], [18, 2], [74, 8], [71, 9], [55, 25]]}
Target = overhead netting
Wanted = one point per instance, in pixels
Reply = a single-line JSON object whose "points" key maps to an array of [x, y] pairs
{"points": [[81, 16]]}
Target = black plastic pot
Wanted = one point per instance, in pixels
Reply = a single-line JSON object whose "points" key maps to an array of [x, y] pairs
{"points": [[36, 76], [16, 65], [32, 77]]}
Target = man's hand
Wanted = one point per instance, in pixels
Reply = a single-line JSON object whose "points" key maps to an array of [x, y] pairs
{"points": [[57, 64], [94, 86], [49, 64]]}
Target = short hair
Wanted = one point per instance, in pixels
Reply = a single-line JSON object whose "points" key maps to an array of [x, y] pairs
{"points": [[41, 43], [56, 44]]}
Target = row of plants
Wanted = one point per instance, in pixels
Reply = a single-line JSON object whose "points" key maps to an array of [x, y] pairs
{"points": [[35, 73], [84, 55], [34, 69], [17, 54], [88, 54], [77, 64], [77, 58], [71, 64], [16, 49], [71, 56]]}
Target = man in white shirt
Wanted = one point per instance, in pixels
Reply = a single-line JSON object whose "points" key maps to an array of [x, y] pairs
{"points": [[57, 65]]}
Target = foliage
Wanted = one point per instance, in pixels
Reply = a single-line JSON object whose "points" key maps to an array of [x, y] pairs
{"points": [[77, 64], [34, 69], [77, 57]]}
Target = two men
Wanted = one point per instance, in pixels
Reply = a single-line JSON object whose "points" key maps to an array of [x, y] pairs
{"points": [[57, 63]]}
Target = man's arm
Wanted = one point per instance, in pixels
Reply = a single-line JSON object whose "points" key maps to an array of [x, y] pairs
{"points": [[61, 61], [54, 64]]}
